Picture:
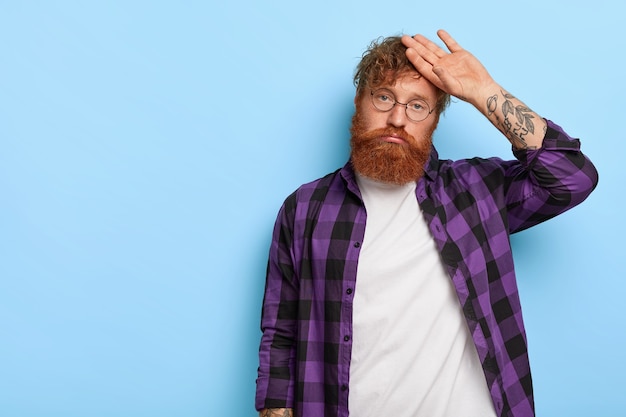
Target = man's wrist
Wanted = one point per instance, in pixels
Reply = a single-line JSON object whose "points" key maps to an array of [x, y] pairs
{"points": [[482, 100]]}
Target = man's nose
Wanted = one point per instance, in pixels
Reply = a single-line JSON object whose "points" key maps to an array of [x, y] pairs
{"points": [[397, 116]]}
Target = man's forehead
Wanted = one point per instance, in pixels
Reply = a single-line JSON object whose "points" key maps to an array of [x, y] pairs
{"points": [[410, 83], [391, 77]]}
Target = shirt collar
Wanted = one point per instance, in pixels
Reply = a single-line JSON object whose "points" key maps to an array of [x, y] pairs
{"points": [[432, 165], [349, 176]]}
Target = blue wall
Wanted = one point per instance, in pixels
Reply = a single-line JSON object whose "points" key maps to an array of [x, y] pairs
{"points": [[145, 148]]}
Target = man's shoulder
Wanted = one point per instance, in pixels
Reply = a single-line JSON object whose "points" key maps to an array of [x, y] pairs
{"points": [[316, 189], [313, 195]]}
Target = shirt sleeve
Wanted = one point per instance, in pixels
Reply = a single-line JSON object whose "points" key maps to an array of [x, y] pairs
{"points": [[548, 181], [276, 372]]}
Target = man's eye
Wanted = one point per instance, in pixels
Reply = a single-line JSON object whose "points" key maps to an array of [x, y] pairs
{"points": [[416, 106], [384, 97]]}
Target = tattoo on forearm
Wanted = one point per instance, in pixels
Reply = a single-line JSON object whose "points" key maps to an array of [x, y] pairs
{"points": [[522, 113], [492, 104], [515, 128], [276, 412]]}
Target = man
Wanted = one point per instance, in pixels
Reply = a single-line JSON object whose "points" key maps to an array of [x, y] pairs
{"points": [[390, 286]]}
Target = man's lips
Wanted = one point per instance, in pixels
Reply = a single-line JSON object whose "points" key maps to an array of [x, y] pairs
{"points": [[393, 139]]}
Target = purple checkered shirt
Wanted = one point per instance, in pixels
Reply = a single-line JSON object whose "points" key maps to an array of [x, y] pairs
{"points": [[471, 207]]}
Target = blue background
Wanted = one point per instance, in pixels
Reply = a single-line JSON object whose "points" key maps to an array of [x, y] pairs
{"points": [[146, 146]]}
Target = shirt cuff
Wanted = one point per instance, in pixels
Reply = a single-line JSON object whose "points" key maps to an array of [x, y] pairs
{"points": [[555, 139]]}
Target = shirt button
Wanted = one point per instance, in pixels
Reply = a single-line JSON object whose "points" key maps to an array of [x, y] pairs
{"points": [[349, 291], [357, 244], [346, 338], [344, 387]]}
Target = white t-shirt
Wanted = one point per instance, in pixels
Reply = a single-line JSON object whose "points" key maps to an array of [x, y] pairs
{"points": [[412, 353]]}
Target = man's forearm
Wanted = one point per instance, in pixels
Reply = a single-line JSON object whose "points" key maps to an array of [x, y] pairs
{"points": [[276, 412], [524, 128]]}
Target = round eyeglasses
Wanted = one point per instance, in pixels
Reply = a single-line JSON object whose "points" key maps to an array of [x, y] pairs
{"points": [[416, 110]]}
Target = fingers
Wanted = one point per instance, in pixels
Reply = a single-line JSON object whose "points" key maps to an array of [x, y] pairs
{"points": [[418, 60], [420, 56], [430, 50], [423, 54], [451, 44], [424, 46], [423, 67]]}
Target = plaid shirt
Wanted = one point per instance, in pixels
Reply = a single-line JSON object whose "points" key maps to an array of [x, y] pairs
{"points": [[471, 207]]}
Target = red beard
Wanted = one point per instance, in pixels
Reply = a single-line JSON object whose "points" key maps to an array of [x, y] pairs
{"points": [[388, 162]]}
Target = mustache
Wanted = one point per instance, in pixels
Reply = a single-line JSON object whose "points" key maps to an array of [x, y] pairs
{"points": [[375, 134]]}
